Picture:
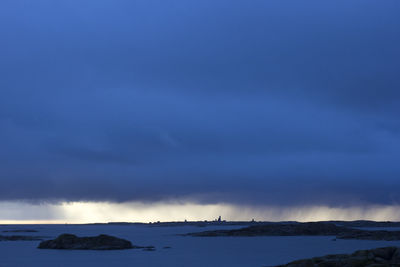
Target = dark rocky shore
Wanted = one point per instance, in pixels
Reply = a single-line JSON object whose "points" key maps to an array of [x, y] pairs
{"points": [[304, 229], [379, 257]]}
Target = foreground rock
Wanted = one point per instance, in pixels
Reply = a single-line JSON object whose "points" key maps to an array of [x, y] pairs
{"points": [[305, 229], [379, 257], [19, 238], [100, 242]]}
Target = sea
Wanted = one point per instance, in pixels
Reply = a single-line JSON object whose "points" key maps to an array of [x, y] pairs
{"points": [[171, 248]]}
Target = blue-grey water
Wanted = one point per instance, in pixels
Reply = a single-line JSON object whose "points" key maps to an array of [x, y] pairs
{"points": [[184, 251]]}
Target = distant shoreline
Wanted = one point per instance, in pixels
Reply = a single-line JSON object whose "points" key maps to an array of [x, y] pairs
{"points": [[350, 230], [356, 223]]}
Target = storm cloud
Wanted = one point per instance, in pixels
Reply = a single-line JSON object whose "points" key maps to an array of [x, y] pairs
{"points": [[258, 102]]}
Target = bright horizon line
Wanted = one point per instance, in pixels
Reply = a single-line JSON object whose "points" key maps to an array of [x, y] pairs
{"points": [[14, 212]]}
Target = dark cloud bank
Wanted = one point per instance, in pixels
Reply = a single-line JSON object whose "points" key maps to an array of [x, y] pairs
{"points": [[263, 102]]}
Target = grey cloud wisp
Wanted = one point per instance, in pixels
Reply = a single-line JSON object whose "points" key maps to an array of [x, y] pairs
{"points": [[263, 102]]}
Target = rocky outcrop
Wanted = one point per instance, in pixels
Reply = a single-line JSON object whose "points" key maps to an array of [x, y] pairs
{"points": [[379, 257], [100, 242]]}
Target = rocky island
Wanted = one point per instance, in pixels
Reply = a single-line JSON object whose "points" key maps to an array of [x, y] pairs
{"points": [[100, 242]]}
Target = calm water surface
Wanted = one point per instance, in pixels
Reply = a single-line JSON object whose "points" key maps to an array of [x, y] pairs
{"points": [[184, 251]]}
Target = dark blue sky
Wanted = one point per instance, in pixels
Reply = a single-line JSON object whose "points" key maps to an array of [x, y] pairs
{"points": [[258, 102]]}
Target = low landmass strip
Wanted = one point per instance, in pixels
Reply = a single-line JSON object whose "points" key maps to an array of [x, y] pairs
{"points": [[20, 238], [304, 229], [20, 231], [357, 223]]}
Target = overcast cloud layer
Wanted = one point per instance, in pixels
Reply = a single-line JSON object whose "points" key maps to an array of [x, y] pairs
{"points": [[258, 102]]}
